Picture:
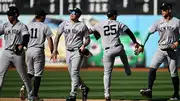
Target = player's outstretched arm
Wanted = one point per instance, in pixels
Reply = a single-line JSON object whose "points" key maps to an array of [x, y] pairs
{"points": [[146, 38], [55, 51], [141, 47], [95, 33], [131, 35], [50, 44]]}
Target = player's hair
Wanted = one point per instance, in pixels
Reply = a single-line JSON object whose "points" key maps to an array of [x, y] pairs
{"points": [[37, 17], [13, 11]]}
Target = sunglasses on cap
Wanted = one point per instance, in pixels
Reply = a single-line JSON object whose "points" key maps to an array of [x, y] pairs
{"points": [[74, 13]]}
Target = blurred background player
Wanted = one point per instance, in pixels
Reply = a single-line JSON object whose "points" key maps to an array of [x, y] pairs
{"points": [[35, 55], [110, 30], [16, 36], [168, 28], [74, 33]]}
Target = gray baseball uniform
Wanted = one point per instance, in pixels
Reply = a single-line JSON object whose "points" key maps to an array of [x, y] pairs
{"points": [[74, 34], [35, 51], [168, 32], [12, 36], [110, 30]]}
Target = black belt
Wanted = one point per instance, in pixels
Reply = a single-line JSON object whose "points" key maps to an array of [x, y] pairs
{"points": [[167, 49], [114, 46], [10, 49], [73, 49]]}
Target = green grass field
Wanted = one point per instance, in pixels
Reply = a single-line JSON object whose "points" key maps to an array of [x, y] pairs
{"points": [[56, 84]]}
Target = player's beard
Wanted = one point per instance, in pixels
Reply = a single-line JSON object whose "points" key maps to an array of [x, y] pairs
{"points": [[11, 19]]}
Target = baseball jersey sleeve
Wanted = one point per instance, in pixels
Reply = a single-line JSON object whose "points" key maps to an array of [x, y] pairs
{"points": [[93, 29], [96, 27], [153, 28], [24, 30], [60, 29], [123, 27], [1, 29], [86, 31], [48, 32]]}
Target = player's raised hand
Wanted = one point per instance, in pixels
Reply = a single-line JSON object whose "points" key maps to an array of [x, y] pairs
{"points": [[54, 55]]}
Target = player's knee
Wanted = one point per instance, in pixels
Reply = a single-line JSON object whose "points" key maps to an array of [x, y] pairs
{"points": [[74, 73], [38, 74], [152, 71], [30, 75]]}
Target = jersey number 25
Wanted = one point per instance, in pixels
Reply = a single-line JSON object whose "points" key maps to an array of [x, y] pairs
{"points": [[109, 30]]}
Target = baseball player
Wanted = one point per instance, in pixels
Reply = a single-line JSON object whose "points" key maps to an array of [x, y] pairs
{"points": [[16, 36], [35, 55], [110, 30], [74, 33], [168, 28]]}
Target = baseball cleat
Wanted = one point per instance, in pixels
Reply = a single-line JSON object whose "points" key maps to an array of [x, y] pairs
{"points": [[174, 97], [71, 98], [38, 99], [85, 91], [146, 92], [30, 100], [22, 93], [107, 99]]}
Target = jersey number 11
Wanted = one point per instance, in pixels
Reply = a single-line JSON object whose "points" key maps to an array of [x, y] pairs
{"points": [[33, 32]]}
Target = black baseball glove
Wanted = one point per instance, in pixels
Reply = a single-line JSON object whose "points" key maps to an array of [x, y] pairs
{"points": [[18, 49], [96, 35], [85, 53]]}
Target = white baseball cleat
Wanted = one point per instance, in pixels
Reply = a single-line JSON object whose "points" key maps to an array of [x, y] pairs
{"points": [[22, 93]]}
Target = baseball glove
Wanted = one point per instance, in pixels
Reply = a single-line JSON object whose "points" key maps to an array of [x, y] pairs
{"points": [[85, 53], [18, 49], [96, 35]]}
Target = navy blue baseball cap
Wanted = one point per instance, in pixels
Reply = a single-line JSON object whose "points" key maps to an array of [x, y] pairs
{"points": [[40, 12], [12, 11], [76, 11], [166, 6], [112, 12]]}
